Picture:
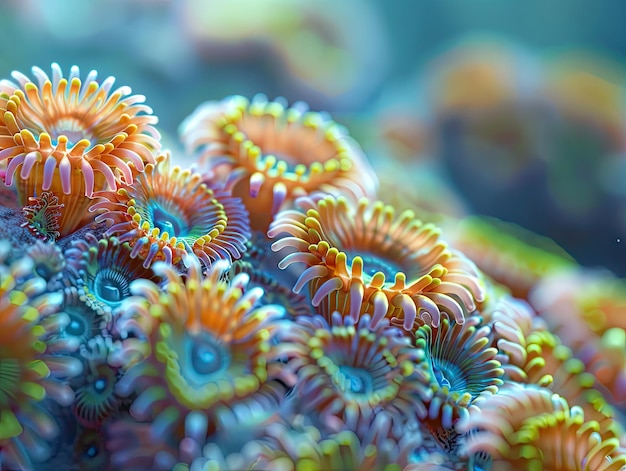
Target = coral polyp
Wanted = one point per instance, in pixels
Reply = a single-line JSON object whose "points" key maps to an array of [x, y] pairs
{"points": [[527, 428], [43, 215], [168, 212], [364, 259], [210, 346], [270, 154], [463, 368], [72, 138], [346, 372], [102, 271]]}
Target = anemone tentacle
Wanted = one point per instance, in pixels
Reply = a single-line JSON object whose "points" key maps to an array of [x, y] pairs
{"points": [[528, 427]]}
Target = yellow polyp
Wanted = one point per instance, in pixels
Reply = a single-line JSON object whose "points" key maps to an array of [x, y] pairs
{"points": [[281, 168], [9, 425], [230, 129], [316, 168], [239, 137], [311, 120], [300, 170]]}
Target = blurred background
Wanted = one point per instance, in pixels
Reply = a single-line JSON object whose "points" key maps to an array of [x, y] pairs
{"points": [[512, 110]]}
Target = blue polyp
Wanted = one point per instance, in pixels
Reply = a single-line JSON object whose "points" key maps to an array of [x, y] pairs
{"points": [[204, 358], [359, 381], [75, 328], [165, 221], [100, 384], [111, 286]]}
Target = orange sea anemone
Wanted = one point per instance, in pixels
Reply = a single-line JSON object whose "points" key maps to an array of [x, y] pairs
{"points": [[167, 212], [351, 253], [270, 154], [72, 138]]}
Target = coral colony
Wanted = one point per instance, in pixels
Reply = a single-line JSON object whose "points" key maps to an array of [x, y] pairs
{"points": [[263, 310]]}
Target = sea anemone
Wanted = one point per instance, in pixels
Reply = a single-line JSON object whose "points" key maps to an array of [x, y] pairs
{"points": [[537, 357], [95, 390], [72, 138], [462, 368], [28, 373], [346, 372], [210, 345], [49, 261], [74, 323], [350, 253], [532, 428], [270, 154], [168, 212], [42, 214], [90, 453], [102, 270]]}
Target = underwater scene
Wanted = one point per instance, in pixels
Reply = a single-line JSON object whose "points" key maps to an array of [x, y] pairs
{"points": [[287, 235]]}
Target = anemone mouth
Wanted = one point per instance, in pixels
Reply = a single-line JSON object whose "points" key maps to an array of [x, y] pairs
{"points": [[111, 285], [73, 129], [169, 218], [355, 382], [78, 325], [205, 359], [448, 375]]}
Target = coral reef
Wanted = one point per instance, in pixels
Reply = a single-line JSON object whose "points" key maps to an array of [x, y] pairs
{"points": [[154, 316]]}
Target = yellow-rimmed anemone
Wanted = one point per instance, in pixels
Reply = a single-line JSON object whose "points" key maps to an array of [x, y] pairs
{"points": [[364, 259], [527, 427], [270, 154], [169, 211], [72, 138], [211, 346]]}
